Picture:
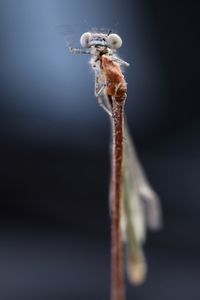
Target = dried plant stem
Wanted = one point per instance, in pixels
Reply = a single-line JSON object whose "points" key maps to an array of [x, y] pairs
{"points": [[117, 284]]}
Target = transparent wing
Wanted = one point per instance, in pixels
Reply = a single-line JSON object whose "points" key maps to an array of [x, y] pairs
{"points": [[135, 215], [133, 230], [138, 180], [67, 32]]}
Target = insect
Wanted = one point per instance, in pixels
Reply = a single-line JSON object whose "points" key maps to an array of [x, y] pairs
{"points": [[139, 205]]}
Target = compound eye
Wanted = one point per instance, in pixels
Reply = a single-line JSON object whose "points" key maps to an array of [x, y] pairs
{"points": [[114, 41], [84, 39]]}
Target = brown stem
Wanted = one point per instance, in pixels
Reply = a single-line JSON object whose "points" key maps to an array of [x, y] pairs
{"points": [[117, 288]]}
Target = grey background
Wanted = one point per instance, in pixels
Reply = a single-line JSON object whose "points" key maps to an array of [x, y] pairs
{"points": [[54, 220]]}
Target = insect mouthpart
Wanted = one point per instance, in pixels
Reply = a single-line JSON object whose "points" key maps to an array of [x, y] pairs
{"points": [[98, 42]]}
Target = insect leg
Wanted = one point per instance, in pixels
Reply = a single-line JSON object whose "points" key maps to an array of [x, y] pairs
{"points": [[100, 102], [99, 91], [120, 61], [99, 82], [78, 51]]}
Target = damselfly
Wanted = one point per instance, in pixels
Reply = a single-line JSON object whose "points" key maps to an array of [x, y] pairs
{"points": [[134, 204]]}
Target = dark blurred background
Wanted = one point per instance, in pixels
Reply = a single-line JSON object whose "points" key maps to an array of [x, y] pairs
{"points": [[54, 174]]}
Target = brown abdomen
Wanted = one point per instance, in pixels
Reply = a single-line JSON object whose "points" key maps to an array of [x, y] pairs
{"points": [[116, 84]]}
